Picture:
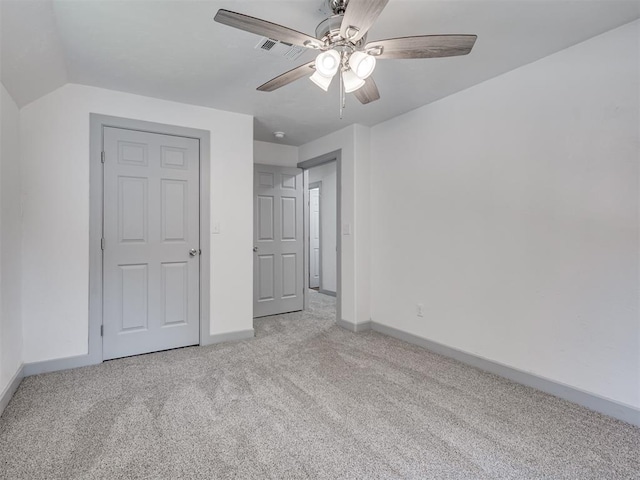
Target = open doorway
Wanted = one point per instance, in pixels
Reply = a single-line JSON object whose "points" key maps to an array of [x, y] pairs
{"points": [[282, 244], [322, 230], [322, 242]]}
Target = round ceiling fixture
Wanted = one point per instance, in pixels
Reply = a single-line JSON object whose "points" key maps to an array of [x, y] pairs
{"points": [[278, 135]]}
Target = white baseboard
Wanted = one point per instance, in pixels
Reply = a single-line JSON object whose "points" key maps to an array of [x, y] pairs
{"points": [[626, 413], [10, 389]]}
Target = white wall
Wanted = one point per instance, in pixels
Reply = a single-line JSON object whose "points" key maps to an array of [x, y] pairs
{"points": [[353, 141], [267, 153], [327, 174], [55, 153], [510, 210], [10, 241]]}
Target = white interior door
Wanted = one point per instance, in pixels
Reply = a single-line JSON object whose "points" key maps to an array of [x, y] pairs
{"points": [[314, 237], [278, 240], [151, 242]]}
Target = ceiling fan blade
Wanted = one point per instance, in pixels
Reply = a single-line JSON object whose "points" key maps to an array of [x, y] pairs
{"points": [[368, 93], [266, 29], [424, 46], [288, 77], [359, 16]]}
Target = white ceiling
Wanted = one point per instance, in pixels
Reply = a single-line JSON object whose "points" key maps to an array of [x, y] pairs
{"points": [[175, 51]]}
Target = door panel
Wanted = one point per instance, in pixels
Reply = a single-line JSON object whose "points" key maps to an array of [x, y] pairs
{"points": [[151, 221], [278, 285], [266, 275], [314, 238], [134, 297], [265, 218], [132, 206], [175, 293], [174, 194], [288, 219]]}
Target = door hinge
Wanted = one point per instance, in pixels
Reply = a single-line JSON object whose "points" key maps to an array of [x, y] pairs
{"points": [[102, 243], [102, 155], [102, 330]]}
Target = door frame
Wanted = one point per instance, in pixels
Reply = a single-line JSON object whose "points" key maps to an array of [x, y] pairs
{"points": [[336, 156], [96, 183], [312, 186]]}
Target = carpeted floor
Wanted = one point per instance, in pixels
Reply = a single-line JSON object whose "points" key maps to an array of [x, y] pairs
{"points": [[304, 399]]}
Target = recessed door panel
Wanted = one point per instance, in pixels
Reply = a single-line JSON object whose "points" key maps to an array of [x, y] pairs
{"points": [[151, 209], [174, 290], [265, 179], [134, 297], [132, 203], [288, 181], [265, 218], [132, 153], [174, 210], [266, 277], [278, 282], [289, 218], [174, 157], [289, 271]]}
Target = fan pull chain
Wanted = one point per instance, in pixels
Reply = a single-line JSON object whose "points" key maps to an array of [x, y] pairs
{"points": [[342, 94]]}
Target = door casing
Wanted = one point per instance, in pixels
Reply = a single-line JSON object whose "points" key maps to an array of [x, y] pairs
{"points": [[97, 124]]}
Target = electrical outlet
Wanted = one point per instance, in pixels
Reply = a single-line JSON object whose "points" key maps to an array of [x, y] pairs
{"points": [[420, 310]]}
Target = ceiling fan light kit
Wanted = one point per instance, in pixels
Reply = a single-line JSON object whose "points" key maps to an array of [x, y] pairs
{"points": [[342, 39], [321, 81], [351, 81], [362, 64], [328, 63]]}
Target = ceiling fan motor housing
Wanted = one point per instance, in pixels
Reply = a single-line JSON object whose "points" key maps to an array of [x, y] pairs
{"points": [[329, 31]]}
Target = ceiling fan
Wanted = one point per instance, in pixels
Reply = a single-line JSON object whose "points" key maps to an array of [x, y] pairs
{"points": [[342, 41]]}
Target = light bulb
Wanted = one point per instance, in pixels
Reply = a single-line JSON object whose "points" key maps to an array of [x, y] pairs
{"points": [[362, 64], [321, 81], [327, 63], [351, 81]]}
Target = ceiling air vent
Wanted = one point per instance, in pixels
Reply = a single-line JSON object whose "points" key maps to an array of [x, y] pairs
{"points": [[268, 44], [279, 49]]}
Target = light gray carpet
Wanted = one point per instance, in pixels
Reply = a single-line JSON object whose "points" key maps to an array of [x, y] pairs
{"points": [[304, 399]]}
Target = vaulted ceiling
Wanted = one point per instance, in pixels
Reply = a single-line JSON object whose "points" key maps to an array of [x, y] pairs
{"points": [[175, 51]]}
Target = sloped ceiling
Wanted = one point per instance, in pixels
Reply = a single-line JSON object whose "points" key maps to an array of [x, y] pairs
{"points": [[174, 50], [32, 61]]}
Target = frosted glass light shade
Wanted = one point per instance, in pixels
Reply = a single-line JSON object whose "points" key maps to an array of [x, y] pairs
{"points": [[351, 81], [321, 81], [362, 64], [327, 63]]}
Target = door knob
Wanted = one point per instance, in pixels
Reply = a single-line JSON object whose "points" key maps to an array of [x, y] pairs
{"points": [[193, 252], [255, 249]]}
